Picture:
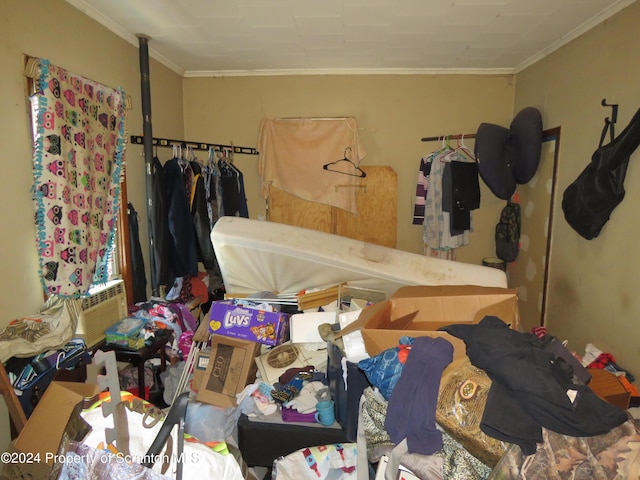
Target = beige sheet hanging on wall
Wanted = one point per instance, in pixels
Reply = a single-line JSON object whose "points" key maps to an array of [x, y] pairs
{"points": [[294, 151]]}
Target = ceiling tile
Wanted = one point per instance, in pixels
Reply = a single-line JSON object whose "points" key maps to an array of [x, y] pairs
{"points": [[315, 8], [471, 15], [528, 7], [370, 34], [265, 16], [365, 32], [319, 26], [323, 42], [414, 24], [368, 15]]}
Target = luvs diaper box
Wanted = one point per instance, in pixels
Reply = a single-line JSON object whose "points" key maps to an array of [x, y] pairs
{"points": [[247, 322]]}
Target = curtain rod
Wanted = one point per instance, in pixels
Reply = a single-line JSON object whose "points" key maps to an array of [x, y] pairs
{"points": [[450, 137], [168, 142]]}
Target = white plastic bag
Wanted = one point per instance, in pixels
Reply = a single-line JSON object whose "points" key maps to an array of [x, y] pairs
{"points": [[209, 423], [198, 460], [62, 318]]}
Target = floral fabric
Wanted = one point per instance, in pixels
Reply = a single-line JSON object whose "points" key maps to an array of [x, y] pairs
{"points": [[77, 162]]}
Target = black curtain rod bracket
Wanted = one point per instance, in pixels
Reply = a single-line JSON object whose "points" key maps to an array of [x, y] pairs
{"points": [[168, 142]]}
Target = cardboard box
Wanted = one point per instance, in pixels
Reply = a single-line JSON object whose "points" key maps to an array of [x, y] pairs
{"points": [[421, 310], [200, 367], [231, 367], [40, 438], [270, 328]]}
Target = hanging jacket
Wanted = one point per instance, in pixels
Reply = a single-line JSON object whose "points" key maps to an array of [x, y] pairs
{"points": [[234, 203], [200, 217], [137, 261], [182, 242], [160, 228]]}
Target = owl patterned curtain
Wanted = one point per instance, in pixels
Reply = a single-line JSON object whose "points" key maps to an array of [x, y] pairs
{"points": [[78, 157]]}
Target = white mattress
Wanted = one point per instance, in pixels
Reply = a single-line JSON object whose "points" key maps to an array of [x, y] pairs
{"points": [[257, 256]]}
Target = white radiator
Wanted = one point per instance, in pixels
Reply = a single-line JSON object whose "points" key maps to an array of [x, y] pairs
{"points": [[105, 306]]}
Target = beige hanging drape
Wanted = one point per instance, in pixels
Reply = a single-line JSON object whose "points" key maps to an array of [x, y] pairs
{"points": [[294, 151]]}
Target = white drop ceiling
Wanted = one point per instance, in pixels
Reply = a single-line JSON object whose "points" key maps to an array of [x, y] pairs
{"points": [[262, 37]]}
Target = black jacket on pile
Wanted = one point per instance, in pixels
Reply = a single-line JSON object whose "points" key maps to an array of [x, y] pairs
{"points": [[531, 388]]}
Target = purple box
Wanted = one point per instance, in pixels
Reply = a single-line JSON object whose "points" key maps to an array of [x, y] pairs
{"points": [[270, 328]]}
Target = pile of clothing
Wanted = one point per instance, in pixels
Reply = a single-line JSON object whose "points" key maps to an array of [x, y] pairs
{"points": [[513, 393], [295, 395]]}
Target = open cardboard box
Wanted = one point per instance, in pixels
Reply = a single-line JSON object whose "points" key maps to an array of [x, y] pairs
{"points": [[230, 368], [421, 310], [40, 439]]}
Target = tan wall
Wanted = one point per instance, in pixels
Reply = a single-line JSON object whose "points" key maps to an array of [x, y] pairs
{"points": [[54, 30], [592, 297], [393, 114], [593, 283]]}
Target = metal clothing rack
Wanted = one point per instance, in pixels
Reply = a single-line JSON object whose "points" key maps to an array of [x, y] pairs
{"points": [[168, 142], [450, 137]]}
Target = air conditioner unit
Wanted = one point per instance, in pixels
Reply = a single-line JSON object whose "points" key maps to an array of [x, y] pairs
{"points": [[105, 305]]}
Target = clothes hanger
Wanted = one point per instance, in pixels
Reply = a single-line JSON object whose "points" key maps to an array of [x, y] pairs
{"points": [[358, 171], [177, 154], [446, 147], [461, 148], [224, 166], [210, 166], [231, 163], [191, 154], [431, 156], [465, 150]]}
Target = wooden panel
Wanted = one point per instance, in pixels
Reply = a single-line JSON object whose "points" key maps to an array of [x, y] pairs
{"points": [[376, 197], [377, 200], [291, 210]]}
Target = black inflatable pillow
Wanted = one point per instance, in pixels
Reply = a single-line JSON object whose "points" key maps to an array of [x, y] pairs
{"points": [[493, 163], [526, 139]]}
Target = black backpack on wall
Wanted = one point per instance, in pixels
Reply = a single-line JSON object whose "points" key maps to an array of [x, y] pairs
{"points": [[508, 233], [589, 201]]}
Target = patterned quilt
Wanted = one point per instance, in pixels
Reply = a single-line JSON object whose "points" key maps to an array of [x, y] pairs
{"points": [[615, 455]]}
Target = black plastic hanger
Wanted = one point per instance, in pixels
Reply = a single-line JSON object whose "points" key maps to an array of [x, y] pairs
{"points": [[176, 416], [358, 171]]}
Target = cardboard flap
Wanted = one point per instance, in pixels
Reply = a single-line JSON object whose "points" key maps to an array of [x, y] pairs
{"points": [[423, 310], [377, 310], [403, 322], [44, 429], [506, 310]]}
